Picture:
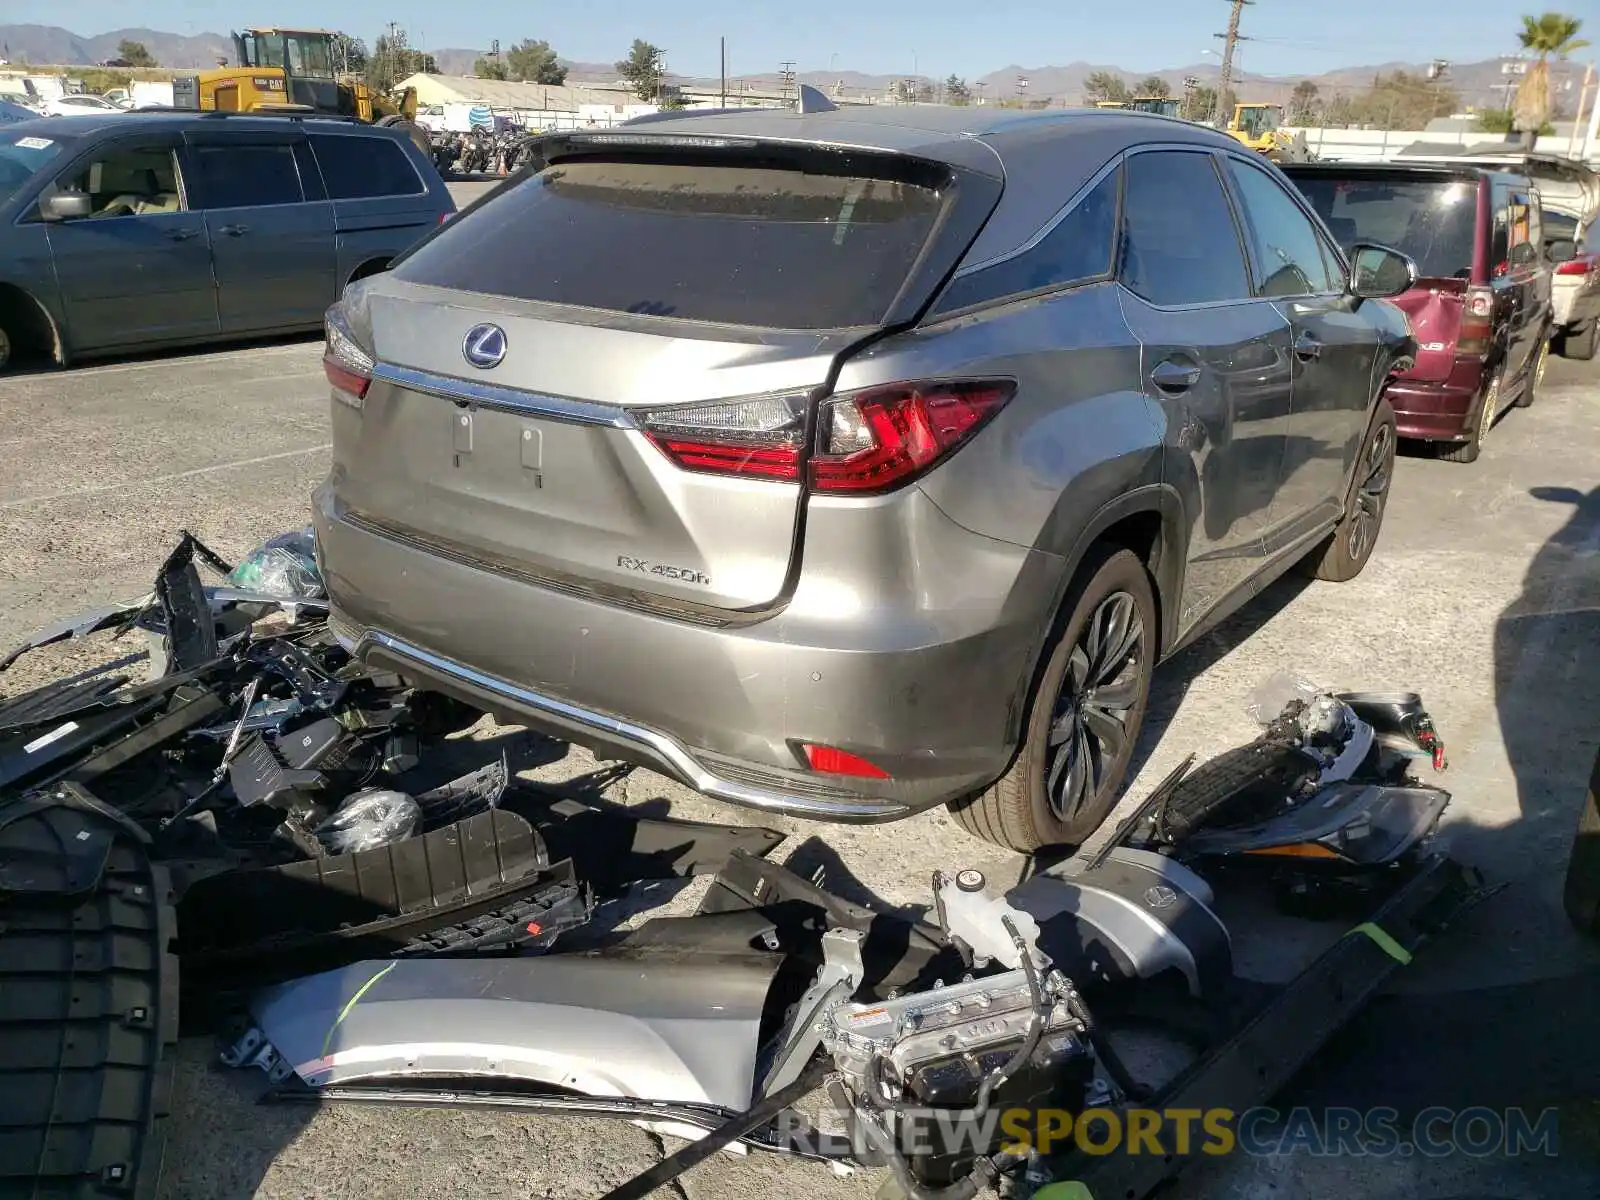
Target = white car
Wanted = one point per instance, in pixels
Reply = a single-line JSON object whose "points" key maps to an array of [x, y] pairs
{"points": [[1575, 287], [79, 106]]}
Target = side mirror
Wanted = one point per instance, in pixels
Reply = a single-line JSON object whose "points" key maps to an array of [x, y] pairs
{"points": [[65, 206], [1560, 250], [1377, 272]]}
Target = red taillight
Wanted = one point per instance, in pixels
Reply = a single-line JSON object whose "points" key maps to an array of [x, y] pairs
{"points": [[347, 366], [876, 440], [346, 380], [1579, 266], [830, 760], [758, 438], [1477, 313], [869, 441]]}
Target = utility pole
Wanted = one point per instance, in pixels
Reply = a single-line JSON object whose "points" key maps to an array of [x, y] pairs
{"points": [[786, 78], [1575, 141], [722, 53], [1230, 41]]}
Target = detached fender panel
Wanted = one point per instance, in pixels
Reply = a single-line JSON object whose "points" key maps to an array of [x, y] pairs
{"points": [[659, 1024]]}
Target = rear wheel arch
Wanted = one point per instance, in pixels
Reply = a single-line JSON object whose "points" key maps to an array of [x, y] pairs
{"points": [[31, 326], [1148, 521], [372, 266]]}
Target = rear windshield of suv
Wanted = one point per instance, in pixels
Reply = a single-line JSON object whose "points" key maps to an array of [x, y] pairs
{"points": [[1432, 220], [742, 245]]}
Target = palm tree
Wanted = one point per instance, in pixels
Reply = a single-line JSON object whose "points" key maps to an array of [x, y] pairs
{"points": [[1553, 33]]}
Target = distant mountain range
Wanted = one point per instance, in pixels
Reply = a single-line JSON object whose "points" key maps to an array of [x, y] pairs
{"points": [[1480, 83]]}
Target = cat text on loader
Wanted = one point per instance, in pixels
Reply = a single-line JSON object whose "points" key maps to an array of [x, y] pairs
{"points": [[295, 71], [1257, 126]]}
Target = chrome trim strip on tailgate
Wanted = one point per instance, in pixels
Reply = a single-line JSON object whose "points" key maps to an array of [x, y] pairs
{"points": [[660, 747], [493, 395]]}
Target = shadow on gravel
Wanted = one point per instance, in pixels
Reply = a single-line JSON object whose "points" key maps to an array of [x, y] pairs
{"points": [[1173, 678], [1528, 1044]]}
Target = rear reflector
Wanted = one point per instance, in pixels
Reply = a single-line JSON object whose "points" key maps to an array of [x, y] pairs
{"points": [[868, 442], [829, 760]]}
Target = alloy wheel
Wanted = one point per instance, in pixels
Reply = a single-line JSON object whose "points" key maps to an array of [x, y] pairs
{"points": [[1099, 691], [1372, 491], [1491, 404]]}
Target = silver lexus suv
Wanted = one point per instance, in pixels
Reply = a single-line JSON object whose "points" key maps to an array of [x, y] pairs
{"points": [[848, 463]]}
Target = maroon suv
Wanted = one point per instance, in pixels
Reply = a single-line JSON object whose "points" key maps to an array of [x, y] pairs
{"points": [[1481, 307]]}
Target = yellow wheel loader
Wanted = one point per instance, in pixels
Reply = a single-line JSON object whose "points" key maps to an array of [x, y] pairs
{"points": [[295, 71], [1257, 126]]}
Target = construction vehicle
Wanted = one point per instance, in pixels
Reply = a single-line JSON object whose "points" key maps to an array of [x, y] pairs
{"points": [[295, 71], [1164, 106], [1257, 127]]}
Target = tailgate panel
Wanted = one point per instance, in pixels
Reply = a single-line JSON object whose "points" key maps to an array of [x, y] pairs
{"points": [[537, 463], [1434, 308]]}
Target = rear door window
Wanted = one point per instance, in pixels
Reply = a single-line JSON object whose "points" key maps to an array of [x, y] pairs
{"points": [[245, 174], [1522, 224], [744, 245], [1283, 241], [362, 168], [1076, 249], [1179, 242]]}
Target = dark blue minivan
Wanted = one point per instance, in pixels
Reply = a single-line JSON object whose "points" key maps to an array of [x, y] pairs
{"points": [[144, 230]]}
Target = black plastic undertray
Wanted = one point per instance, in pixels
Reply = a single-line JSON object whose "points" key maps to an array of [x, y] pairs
{"points": [[88, 1001], [245, 929]]}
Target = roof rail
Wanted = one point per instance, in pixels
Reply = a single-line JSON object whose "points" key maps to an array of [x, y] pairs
{"points": [[220, 113]]}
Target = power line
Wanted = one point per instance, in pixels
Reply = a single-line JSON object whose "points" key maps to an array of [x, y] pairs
{"points": [[1231, 39]]}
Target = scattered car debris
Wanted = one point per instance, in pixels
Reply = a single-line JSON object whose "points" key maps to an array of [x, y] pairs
{"points": [[265, 814]]}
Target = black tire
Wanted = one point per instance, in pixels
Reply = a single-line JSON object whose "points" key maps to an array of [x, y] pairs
{"points": [[1111, 591], [1348, 549], [5, 348], [1530, 386], [1469, 450], [1582, 893], [418, 135], [1580, 347]]}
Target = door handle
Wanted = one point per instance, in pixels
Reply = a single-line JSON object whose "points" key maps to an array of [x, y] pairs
{"points": [[235, 230], [1307, 348], [1175, 375], [182, 235]]}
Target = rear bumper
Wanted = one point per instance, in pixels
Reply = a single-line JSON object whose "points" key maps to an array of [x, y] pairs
{"points": [[1438, 412], [1578, 309], [932, 698]]}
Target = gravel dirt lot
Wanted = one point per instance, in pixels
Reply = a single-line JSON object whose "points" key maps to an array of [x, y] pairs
{"points": [[1484, 595]]}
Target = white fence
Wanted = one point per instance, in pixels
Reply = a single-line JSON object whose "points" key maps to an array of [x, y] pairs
{"points": [[1381, 145]]}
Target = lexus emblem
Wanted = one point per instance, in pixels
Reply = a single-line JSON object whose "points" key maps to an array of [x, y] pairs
{"points": [[484, 346], [1160, 896]]}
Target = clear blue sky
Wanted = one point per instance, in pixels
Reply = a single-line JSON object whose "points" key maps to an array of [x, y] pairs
{"points": [[931, 37]]}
